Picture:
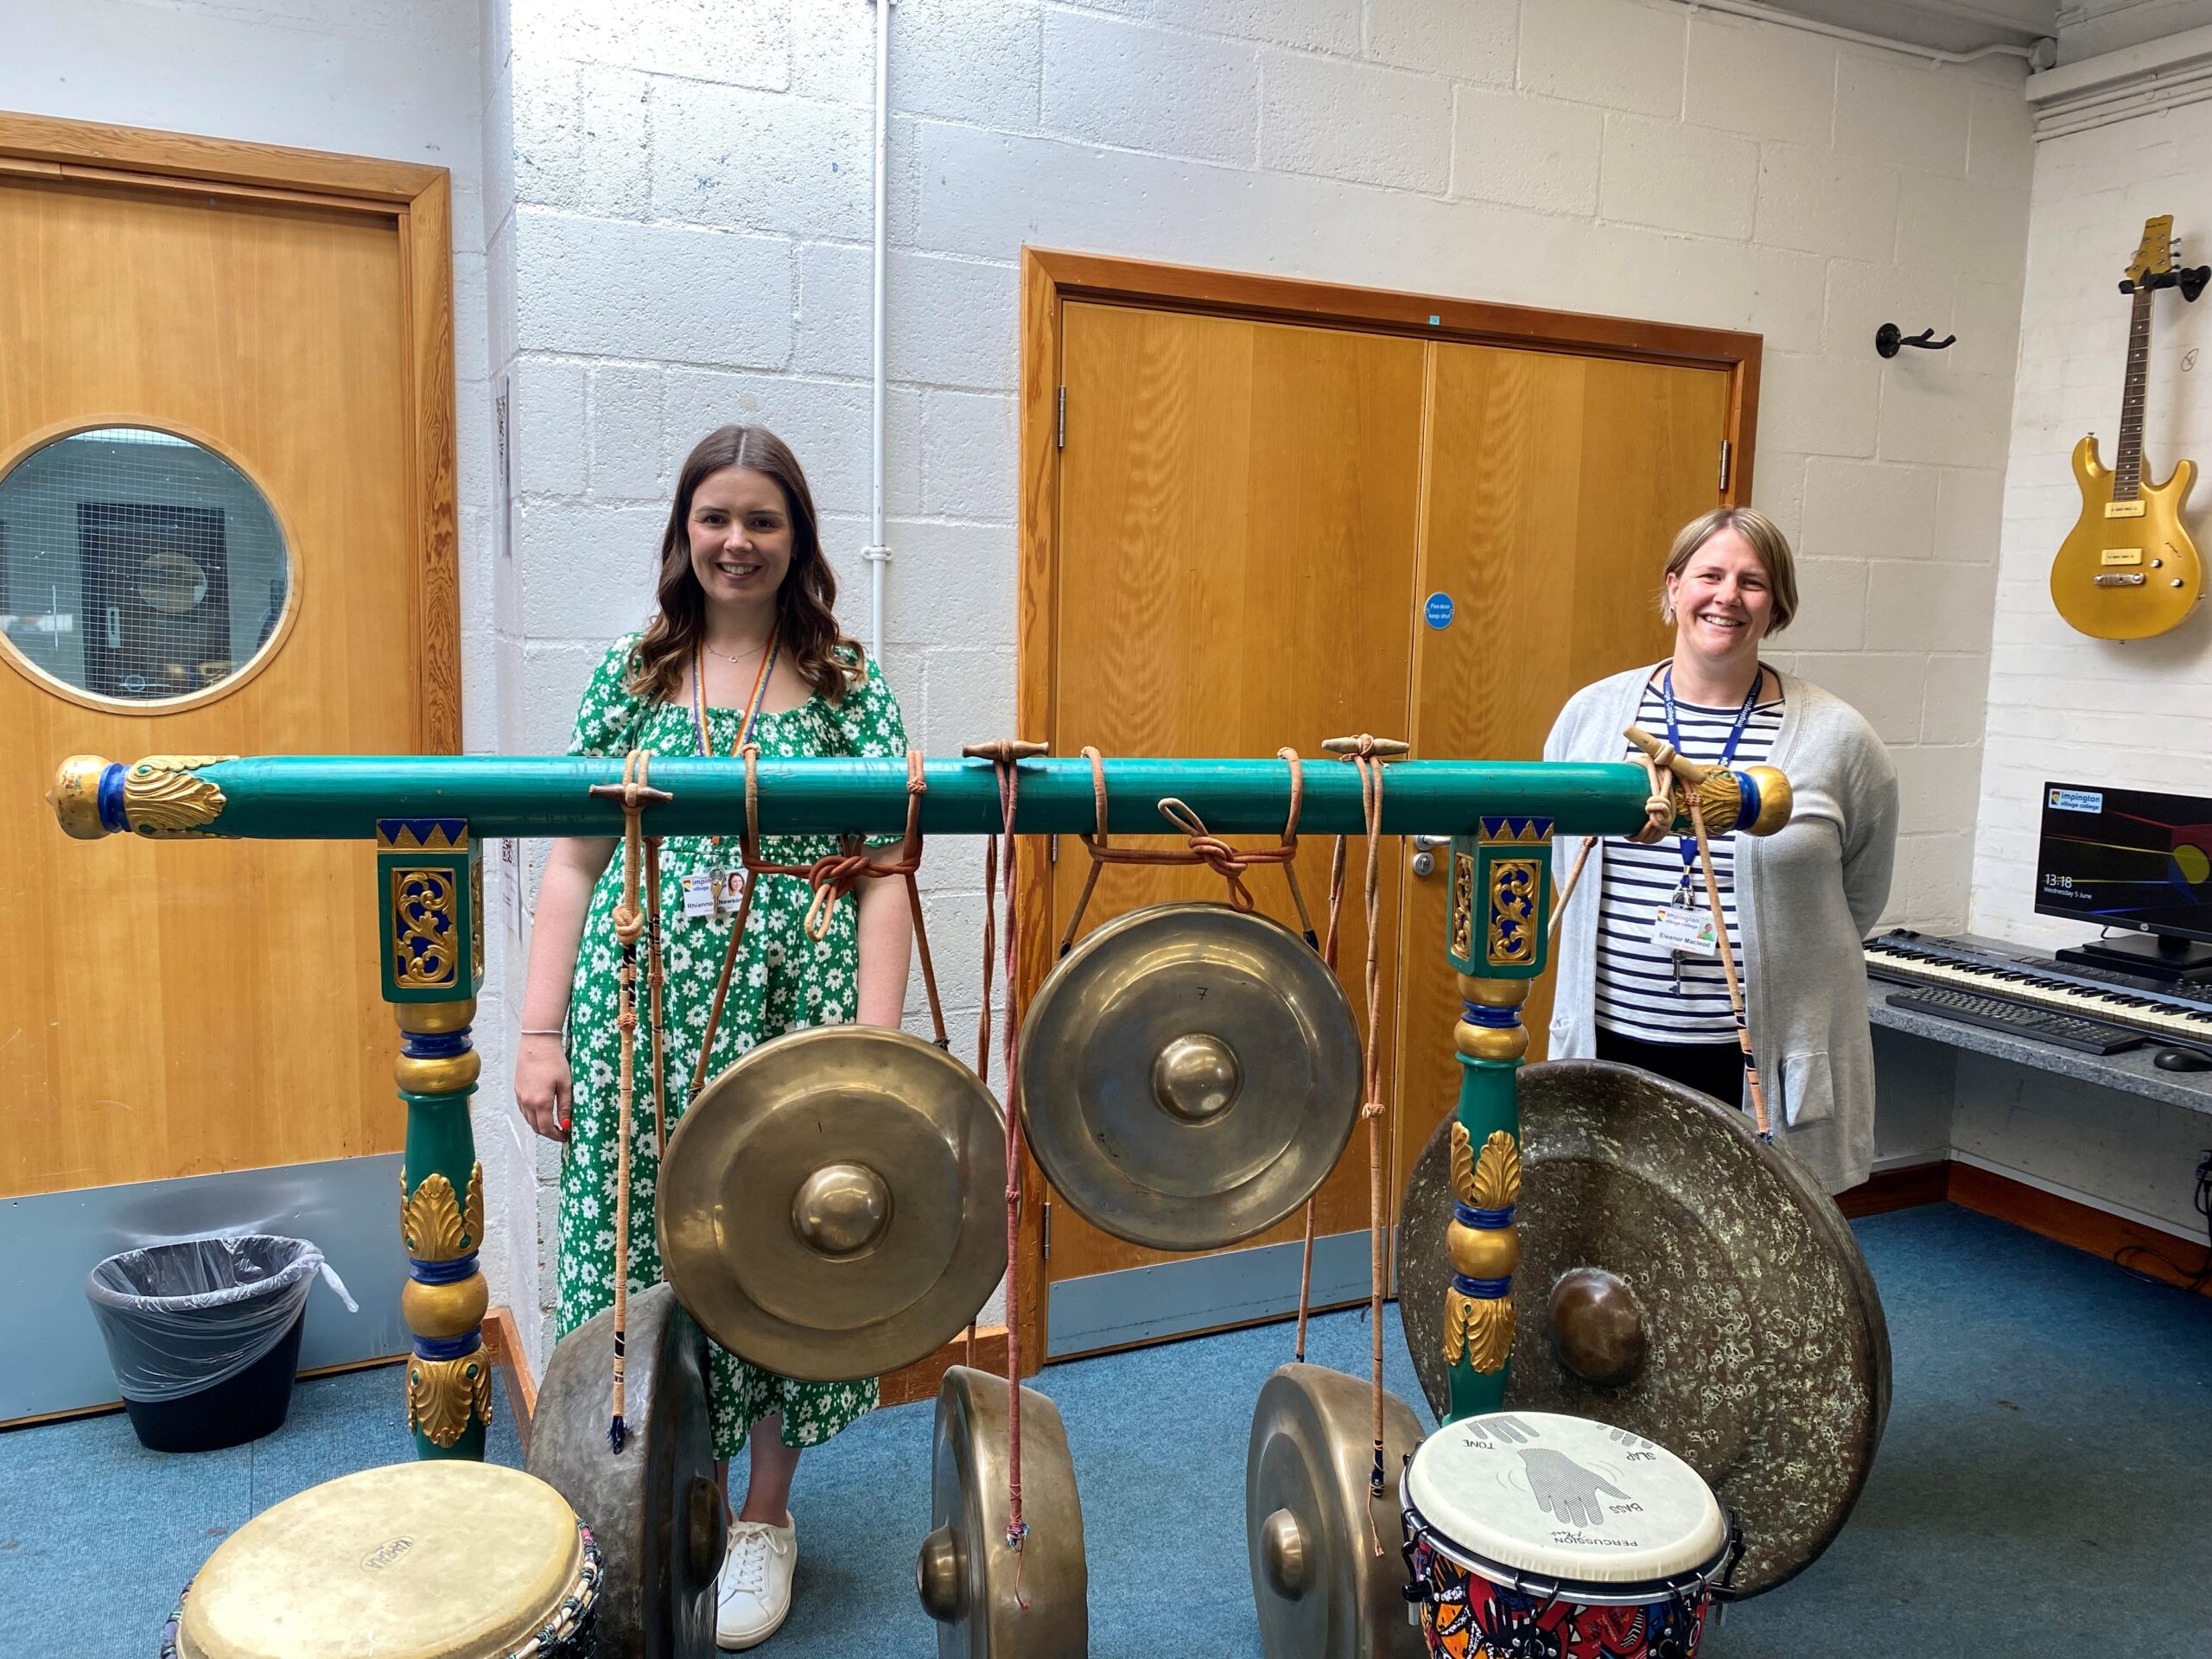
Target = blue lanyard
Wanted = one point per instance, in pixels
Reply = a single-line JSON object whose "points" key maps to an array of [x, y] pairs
{"points": [[1686, 845]]}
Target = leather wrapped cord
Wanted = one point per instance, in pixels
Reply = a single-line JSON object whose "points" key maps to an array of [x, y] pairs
{"points": [[631, 924], [831, 877], [1202, 847], [1005, 756]]}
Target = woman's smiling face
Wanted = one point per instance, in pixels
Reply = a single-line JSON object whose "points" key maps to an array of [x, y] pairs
{"points": [[1722, 599], [741, 533]]}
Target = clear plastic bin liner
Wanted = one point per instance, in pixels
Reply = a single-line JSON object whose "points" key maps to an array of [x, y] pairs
{"points": [[185, 1315]]}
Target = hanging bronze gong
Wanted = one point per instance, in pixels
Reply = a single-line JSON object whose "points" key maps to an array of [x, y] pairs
{"points": [[1327, 1574], [832, 1206], [656, 1509], [1190, 1074], [990, 1601], [1681, 1280]]}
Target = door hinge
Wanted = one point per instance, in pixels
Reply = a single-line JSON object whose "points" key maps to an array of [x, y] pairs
{"points": [[1060, 439], [1051, 849], [1724, 465], [1045, 1228]]}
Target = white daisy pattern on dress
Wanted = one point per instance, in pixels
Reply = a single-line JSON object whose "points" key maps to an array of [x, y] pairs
{"points": [[783, 982]]}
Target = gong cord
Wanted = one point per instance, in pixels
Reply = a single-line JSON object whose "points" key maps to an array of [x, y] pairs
{"points": [[832, 877], [631, 924], [1203, 848], [1005, 756], [1368, 754]]}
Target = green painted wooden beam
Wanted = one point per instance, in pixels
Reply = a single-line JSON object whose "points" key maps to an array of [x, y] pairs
{"points": [[308, 798]]}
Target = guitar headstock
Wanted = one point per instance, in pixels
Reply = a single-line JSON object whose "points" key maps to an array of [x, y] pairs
{"points": [[2154, 254]]}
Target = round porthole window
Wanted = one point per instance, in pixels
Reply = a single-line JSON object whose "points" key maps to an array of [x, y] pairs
{"points": [[138, 569]]}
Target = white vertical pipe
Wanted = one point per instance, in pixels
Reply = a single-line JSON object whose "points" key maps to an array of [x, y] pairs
{"points": [[877, 554]]}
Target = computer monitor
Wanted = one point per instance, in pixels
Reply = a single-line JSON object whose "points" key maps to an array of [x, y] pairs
{"points": [[2133, 859]]}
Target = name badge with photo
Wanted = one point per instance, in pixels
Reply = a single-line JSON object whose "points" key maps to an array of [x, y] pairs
{"points": [[1685, 929]]}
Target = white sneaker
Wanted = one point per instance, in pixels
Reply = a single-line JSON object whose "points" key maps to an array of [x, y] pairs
{"points": [[753, 1594]]}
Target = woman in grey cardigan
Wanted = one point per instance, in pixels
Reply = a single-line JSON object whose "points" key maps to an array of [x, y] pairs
{"points": [[1639, 974]]}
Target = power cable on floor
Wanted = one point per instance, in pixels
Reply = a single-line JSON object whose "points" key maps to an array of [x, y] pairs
{"points": [[2190, 1281]]}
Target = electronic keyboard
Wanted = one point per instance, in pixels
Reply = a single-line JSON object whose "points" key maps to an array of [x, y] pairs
{"points": [[2160, 1009]]}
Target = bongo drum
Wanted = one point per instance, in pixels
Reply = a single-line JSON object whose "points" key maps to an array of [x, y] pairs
{"points": [[1529, 1533], [418, 1560]]}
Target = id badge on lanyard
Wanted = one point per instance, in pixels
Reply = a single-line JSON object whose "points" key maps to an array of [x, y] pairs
{"points": [[716, 893], [1684, 926]]}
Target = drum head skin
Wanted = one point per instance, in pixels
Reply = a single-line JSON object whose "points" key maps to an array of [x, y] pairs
{"points": [[1680, 1280], [439, 1561], [833, 1205], [1321, 1589], [1565, 1500], [655, 1508], [1190, 1075]]}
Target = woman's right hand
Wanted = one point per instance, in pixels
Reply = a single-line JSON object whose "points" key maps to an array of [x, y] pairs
{"points": [[544, 1088]]}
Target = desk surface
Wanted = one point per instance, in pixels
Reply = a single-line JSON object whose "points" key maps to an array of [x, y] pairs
{"points": [[2131, 1072]]}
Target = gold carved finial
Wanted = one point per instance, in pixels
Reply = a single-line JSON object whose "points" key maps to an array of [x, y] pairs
{"points": [[1478, 1328], [434, 1225], [441, 1395], [76, 796], [1496, 1183], [162, 798]]}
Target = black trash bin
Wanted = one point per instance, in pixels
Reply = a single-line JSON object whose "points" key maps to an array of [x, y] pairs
{"points": [[204, 1334]]}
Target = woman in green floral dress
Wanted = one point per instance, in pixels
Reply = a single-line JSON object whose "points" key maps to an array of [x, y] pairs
{"points": [[745, 641]]}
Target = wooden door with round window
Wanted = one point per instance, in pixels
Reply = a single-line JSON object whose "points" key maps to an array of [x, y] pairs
{"points": [[212, 474]]}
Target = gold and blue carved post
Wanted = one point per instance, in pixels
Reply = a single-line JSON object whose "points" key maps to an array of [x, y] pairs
{"points": [[430, 898], [1496, 920]]}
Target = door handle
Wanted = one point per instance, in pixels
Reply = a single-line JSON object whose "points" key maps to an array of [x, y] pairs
{"points": [[1425, 847]]}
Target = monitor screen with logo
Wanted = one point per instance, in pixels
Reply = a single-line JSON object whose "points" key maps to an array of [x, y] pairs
{"points": [[2130, 858]]}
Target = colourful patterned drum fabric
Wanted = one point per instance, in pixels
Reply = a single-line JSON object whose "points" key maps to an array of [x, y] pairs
{"points": [[1534, 1535]]}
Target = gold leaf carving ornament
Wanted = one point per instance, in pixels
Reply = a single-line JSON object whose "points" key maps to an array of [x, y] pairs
{"points": [[434, 1225], [1491, 1182], [1480, 1328], [443, 1393], [162, 798]]}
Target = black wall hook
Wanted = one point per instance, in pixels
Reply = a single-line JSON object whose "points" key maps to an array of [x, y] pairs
{"points": [[1889, 339]]}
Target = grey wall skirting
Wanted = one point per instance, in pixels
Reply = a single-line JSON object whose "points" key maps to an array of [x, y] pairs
{"points": [[1169, 1299], [49, 1242]]}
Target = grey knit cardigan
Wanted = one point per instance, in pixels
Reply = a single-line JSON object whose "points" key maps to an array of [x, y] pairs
{"points": [[1805, 898]]}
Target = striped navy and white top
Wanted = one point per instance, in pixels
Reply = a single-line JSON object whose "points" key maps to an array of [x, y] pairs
{"points": [[1644, 990]]}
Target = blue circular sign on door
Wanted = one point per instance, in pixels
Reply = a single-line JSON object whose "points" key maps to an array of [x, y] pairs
{"points": [[1439, 610]]}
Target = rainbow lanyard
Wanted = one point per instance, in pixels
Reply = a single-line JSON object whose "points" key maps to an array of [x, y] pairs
{"points": [[752, 702]]}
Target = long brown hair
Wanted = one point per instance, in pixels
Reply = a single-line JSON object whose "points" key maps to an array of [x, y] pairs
{"points": [[805, 605]]}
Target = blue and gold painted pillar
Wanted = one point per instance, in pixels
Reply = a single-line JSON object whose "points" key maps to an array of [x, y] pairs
{"points": [[430, 897], [1498, 918]]}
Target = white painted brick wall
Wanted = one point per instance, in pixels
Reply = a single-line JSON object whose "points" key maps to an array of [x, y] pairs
{"points": [[687, 245], [2063, 705]]}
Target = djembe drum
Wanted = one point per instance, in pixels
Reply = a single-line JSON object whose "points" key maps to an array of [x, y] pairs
{"points": [[418, 1560], [1535, 1533]]}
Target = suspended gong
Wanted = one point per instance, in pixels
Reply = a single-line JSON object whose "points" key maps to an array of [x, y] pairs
{"points": [[832, 1206], [656, 1509], [990, 1601], [1680, 1280], [1190, 1074], [1323, 1589]]}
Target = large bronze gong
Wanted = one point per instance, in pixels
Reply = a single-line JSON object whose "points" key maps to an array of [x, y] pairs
{"points": [[989, 1602], [656, 1509], [1681, 1280], [1190, 1074], [833, 1205], [1327, 1576]]}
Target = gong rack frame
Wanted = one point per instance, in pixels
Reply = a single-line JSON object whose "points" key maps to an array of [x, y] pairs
{"points": [[429, 815]]}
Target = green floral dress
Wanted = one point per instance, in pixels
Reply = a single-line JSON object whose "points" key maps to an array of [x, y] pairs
{"points": [[783, 980]]}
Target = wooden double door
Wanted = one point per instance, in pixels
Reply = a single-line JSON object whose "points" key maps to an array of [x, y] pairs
{"points": [[1252, 519]]}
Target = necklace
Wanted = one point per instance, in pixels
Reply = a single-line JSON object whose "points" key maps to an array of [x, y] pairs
{"points": [[747, 658]]}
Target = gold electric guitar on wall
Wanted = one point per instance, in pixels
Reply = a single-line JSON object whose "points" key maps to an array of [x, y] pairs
{"points": [[2129, 570]]}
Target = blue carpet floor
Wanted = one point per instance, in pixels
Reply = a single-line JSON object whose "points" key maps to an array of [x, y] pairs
{"points": [[2044, 1487]]}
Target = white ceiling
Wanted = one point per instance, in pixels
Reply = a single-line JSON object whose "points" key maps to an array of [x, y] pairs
{"points": [[1947, 25]]}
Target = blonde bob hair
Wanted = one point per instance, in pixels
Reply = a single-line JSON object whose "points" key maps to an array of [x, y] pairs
{"points": [[1767, 541]]}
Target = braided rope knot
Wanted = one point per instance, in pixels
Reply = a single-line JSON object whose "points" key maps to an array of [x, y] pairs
{"points": [[1371, 1109], [1659, 807], [1224, 861], [629, 924]]}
